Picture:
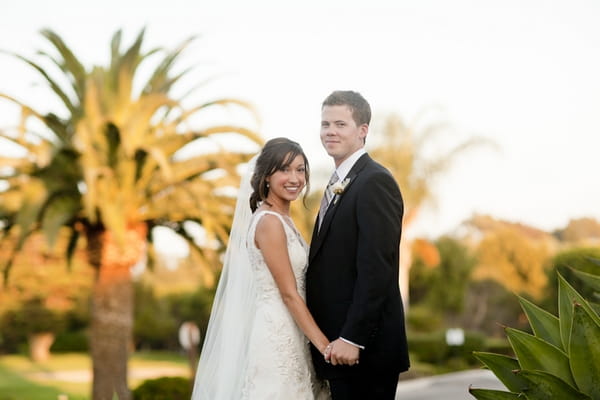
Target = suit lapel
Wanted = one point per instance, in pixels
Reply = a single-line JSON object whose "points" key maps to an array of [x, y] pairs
{"points": [[319, 235]]}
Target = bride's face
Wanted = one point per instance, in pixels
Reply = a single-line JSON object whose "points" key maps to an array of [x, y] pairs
{"points": [[287, 183]]}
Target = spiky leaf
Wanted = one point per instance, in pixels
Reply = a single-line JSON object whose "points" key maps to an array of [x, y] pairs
{"points": [[593, 281], [504, 368], [545, 386], [544, 325], [584, 352], [567, 295], [489, 394], [534, 353]]}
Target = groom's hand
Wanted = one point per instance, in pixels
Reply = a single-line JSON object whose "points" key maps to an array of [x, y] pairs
{"points": [[343, 353]]}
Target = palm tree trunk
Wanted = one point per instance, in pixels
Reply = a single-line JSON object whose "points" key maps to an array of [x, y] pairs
{"points": [[112, 326], [406, 257], [112, 309], [404, 276]]}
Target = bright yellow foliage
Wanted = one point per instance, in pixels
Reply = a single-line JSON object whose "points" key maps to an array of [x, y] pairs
{"points": [[510, 258]]}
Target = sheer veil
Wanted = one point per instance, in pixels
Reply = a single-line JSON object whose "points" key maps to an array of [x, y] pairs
{"points": [[224, 356]]}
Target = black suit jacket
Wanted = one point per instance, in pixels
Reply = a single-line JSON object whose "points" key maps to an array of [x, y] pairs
{"points": [[352, 277]]}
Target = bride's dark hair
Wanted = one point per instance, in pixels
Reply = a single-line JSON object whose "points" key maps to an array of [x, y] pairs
{"points": [[277, 154]]}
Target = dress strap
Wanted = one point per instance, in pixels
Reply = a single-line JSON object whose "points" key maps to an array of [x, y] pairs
{"points": [[256, 218], [287, 223], [271, 212], [281, 217]]}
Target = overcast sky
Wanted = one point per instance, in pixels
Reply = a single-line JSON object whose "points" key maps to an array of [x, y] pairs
{"points": [[524, 73]]}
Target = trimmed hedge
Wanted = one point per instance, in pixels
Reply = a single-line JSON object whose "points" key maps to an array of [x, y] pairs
{"points": [[165, 388], [432, 347]]}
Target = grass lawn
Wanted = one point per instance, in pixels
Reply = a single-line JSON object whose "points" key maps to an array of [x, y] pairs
{"points": [[70, 374]]}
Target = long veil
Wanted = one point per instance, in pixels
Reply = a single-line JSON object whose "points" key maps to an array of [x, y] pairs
{"points": [[224, 357]]}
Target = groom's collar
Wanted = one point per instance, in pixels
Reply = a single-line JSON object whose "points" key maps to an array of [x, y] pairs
{"points": [[348, 163]]}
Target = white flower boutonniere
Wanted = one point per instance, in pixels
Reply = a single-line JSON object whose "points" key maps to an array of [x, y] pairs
{"points": [[339, 187]]}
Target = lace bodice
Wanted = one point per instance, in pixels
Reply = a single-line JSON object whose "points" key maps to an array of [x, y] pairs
{"points": [[298, 252]]}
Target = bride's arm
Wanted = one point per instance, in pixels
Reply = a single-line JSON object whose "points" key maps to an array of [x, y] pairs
{"points": [[270, 238]]}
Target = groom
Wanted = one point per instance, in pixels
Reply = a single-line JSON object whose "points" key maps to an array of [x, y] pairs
{"points": [[352, 278]]}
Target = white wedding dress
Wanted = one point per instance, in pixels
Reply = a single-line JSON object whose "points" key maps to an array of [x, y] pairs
{"points": [[279, 361], [253, 349]]}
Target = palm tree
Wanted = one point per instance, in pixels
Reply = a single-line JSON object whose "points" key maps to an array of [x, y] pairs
{"points": [[402, 148], [110, 170]]}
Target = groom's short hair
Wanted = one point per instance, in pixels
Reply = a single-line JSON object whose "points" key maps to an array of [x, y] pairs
{"points": [[361, 110]]}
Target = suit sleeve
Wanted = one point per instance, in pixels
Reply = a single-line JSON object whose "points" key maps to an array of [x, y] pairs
{"points": [[379, 217]]}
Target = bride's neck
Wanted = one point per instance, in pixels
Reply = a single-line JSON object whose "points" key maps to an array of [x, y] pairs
{"points": [[278, 205]]}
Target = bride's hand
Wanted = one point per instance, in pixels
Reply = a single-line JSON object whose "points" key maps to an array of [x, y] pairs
{"points": [[327, 352]]}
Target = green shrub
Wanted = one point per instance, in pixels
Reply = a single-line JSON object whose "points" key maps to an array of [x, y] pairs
{"points": [[165, 388], [561, 360], [443, 287], [428, 347], [32, 317], [473, 341], [157, 318], [457, 364], [432, 348], [68, 342], [422, 318]]}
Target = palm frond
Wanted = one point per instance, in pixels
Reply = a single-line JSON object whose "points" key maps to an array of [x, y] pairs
{"points": [[160, 82], [60, 208], [115, 160], [115, 47], [71, 65], [56, 88]]}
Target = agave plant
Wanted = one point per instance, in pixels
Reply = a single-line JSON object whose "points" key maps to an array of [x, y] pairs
{"points": [[561, 360], [109, 170]]}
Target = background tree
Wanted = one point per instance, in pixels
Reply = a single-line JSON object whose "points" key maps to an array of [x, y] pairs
{"points": [[405, 149], [442, 286], [35, 323], [580, 230], [510, 259], [40, 273], [110, 168], [511, 254]]}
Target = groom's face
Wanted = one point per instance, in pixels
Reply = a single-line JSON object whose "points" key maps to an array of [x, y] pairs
{"points": [[339, 133]]}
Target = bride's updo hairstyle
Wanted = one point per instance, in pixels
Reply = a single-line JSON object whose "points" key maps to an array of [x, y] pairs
{"points": [[277, 154]]}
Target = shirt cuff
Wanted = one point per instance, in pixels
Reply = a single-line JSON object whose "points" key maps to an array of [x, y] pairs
{"points": [[352, 343]]}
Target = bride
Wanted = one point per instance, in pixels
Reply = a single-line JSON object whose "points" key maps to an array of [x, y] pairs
{"points": [[256, 344]]}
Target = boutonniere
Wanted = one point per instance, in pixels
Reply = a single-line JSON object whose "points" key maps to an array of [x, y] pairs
{"points": [[339, 187]]}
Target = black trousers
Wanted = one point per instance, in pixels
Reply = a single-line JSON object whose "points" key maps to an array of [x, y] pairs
{"points": [[378, 387]]}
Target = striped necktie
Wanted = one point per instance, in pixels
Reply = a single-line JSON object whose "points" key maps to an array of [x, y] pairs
{"points": [[327, 196]]}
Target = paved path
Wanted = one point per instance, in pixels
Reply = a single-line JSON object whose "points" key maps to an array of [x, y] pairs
{"points": [[453, 386], [82, 376]]}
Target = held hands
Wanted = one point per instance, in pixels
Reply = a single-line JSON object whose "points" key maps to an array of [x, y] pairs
{"points": [[339, 352]]}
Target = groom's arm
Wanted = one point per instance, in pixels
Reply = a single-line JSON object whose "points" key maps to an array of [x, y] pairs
{"points": [[379, 217]]}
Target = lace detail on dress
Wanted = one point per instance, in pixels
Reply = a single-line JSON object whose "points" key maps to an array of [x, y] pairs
{"points": [[298, 251], [280, 366]]}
